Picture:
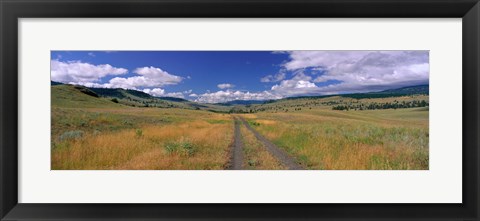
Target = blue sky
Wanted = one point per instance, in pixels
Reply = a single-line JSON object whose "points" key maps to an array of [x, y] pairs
{"points": [[220, 76]]}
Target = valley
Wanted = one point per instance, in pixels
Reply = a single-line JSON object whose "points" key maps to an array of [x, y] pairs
{"points": [[112, 129]]}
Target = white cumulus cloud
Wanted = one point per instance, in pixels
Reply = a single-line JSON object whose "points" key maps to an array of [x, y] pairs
{"points": [[77, 71], [157, 92], [175, 94], [149, 77], [300, 84], [229, 95], [158, 75], [225, 86], [273, 78], [336, 72], [360, 71]]}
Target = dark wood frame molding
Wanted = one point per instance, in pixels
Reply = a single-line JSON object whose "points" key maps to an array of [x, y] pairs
{"points": [[12, 10]]}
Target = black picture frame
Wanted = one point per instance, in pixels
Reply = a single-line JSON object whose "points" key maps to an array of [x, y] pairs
{"points": [[12, 10]]}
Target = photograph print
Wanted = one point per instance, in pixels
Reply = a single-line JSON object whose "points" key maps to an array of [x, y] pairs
{"points": [[240, 110]]}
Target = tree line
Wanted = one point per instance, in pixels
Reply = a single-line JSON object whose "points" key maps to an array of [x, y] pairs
{"points": [[387, 105]]}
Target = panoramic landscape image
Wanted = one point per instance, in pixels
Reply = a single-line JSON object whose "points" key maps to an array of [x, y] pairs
{"points": [[239, 110]]}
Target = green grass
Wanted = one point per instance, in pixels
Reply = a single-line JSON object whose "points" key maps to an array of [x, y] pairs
{"points": [[69, 97], [214, 121]]}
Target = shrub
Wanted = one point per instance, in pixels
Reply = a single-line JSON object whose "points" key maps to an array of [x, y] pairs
{"points": [[252, 162], [138, 133], [71, 135], [83, 123], [254, 123], [96, 132], [114, 100], [182, 147], [127, 122], [171, 147]]}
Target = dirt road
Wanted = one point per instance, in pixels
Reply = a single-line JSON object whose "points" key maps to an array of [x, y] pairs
{"points": [[280, 154], [237, 149]]}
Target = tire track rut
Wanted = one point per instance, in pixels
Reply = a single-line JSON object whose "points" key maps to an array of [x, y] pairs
{"points": [[278, 153], [237, 149]]}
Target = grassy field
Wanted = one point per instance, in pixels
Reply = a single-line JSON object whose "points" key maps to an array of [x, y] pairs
{"points": [[345, 140], [93, 133], [140, 139]]}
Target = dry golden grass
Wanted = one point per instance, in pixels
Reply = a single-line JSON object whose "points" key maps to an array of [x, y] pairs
{"points": [[340, 140], [256, 156], [96, 133], [249, 116], [155, 138], [266, 122], [196, 144]]}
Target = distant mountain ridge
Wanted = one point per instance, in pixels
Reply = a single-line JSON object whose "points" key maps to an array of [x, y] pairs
{"points": [[403, 91], [419, 89], [177, 99], [140, 96], [55, 83], [398, 92], [78, 95]]}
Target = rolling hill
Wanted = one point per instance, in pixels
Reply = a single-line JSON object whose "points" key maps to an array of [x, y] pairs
{"points": [[404, 91], [81, 96], [66, 95]]}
